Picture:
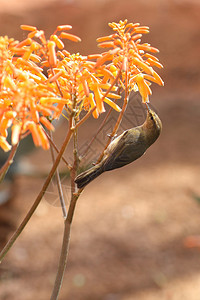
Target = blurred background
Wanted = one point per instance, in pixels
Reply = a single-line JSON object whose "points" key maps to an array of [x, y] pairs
{"points": [[131, 237]]}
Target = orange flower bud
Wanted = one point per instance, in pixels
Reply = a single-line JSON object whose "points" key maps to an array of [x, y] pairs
{"points": [[44, 140], [58, 41], [104, 38], [63, 27], [4, 144], [34, 132], [47, 123], [69, 36], [25, 42], [106, 45], [93, 104], [28, 27], [153, 62], [16, 130], [52, 53], [158, 79]]}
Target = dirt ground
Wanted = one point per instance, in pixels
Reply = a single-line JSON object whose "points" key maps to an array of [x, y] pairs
{"points": [[128, 237]]}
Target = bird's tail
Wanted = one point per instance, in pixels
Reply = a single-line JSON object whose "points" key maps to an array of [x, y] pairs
{"points": [[84, 178]]}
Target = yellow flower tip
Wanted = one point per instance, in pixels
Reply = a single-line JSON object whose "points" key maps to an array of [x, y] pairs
{"points": [[4, 144]]}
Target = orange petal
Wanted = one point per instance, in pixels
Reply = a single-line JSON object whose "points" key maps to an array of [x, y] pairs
{"points": [[98, 99], [16, 130], [5, 122], [58, 41], [106, 45], [44, 140], [158, 79], [104, 38], [85, 87], [112, 104], [4, 144], [143, 87], [101, 60], [34, 132], [25, 42], [27, 27], [143, 66], [93, 104], [153, 62], [47, 123], [69, 36], [63, 27], [52, 53]]}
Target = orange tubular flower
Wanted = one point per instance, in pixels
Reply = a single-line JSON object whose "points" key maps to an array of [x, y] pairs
{"points": [[81, 81], [27, 98], [132, 57]]}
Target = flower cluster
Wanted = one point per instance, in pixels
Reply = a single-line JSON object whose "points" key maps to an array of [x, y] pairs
{"points": [[39, 78], [28, 100], [82, 85], [131, 57]]}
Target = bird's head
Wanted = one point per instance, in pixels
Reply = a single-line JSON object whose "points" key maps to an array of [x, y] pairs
{"points": [[152, 124]]}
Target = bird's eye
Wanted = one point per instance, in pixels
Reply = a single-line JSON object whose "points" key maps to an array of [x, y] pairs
{"points": [[151, 117]]}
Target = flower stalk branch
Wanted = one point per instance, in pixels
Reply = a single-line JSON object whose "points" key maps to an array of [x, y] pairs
{"points": [[38, 199]]}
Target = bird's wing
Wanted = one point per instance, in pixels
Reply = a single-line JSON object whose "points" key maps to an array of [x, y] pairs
{"points": [[124, 150]]}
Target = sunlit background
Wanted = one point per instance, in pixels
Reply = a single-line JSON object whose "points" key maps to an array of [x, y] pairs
{"points": [[131, 228]]}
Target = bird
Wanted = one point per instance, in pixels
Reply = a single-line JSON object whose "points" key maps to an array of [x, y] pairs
{"points": [[125, 148]]}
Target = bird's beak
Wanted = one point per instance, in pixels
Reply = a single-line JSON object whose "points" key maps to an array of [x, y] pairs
{"points": [[147, 105]]}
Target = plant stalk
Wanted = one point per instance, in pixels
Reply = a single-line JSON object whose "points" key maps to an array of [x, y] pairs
{"points": [[38, 199]]}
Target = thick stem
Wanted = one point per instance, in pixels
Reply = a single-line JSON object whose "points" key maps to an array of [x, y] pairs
{"points": [[65, 248], [38, 199], [68, 220], [62, 261], [58, 181]]}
